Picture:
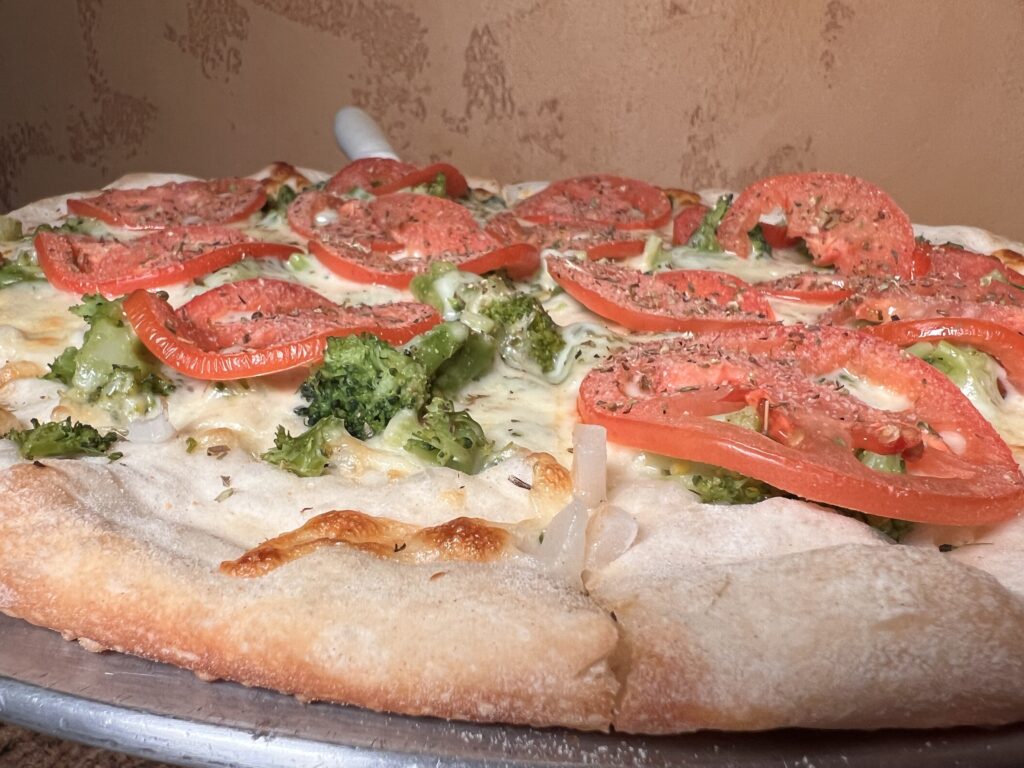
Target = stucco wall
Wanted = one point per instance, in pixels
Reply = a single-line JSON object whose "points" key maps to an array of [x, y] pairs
{"points": [[924, 98]]}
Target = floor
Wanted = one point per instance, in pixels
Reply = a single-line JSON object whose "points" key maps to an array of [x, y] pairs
{"points": [[24, 749]]}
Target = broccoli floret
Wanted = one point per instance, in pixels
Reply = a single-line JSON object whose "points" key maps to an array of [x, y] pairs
{"points": [[22, 268], [438, 286], [438, 187], [894, 529], [10, 229], [112, 368], [882, 462], [705, 238], [306, 455], [472, 360], [758, 242], [278, 204], [62, 438], [364, 382], [450, 438], [452, 356], [972, 371], [724, 487], [72, 225], [525, 335]]}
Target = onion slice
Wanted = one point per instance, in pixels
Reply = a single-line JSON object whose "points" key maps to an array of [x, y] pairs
{"points": [[590, 464]]}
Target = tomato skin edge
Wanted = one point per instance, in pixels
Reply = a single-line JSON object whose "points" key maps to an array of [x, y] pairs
{"points": [[201, 265], [736, 448], [1002, 343], [147, 314], [520, 260]]}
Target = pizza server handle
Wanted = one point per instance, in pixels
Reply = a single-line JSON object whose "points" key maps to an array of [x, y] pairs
{"points": [[359, 136]]}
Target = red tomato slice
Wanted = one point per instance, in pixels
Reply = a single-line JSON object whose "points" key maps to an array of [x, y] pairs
{"points": [[843, 220], [1002, 343], [256, 327], [775, 235], [368, 174], [953, 264], [605, 200], [81, 264], [217, 201], [932, 298], [719, 287], [645, 303], [382, 176], [596, 242], [809, 288], [393, 238], [687, 222], [660, 397]]}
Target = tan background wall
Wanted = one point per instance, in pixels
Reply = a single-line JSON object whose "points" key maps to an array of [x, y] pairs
{"points": [[924, 98]]}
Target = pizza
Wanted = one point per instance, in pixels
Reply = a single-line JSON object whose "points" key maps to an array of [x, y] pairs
{"points": [[589, 453]]}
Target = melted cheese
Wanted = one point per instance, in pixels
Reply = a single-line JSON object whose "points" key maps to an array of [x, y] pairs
{"points": [[375, 477]]}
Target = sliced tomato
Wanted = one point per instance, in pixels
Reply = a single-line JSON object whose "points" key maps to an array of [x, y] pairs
{"points": [[177, 204], [382, 176], [1002, 343], [605, 200], [646, 303], [368, 174], [775, 235], [810, 288], [598, 242], [82, 264], [256, 327], [661, 397], [843, 220], [687, 221], [952, 264], [720, 288], [928, 298], [393, 238]]}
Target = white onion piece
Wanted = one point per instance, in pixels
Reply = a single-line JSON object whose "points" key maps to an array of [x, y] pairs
{"points": [[155, 429], [612, 530], [563, 547], [590, 464]]}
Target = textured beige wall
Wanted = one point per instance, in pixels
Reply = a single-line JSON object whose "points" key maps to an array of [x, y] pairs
{"points": [[924, 98]]}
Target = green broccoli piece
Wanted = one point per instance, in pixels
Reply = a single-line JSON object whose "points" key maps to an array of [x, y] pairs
{"points": [[438, 286], [278, 204], [306, 455], [112, 368], [10, 229], [438, 187], [524, 334], [450, 438], [527, 336], [881, 462], [724, 487], [22, 268], [758, 242], [72, 225], [452, 356], [705, 238], [472, 360], [364, 382], [894, 529], [62, 438], [973, 371]]}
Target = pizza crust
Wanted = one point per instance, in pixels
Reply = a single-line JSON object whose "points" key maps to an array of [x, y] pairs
{"points": [[83, 554], [826, 631]]}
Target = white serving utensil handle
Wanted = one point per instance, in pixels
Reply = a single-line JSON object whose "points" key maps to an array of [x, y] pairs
{"points": [[359, 136]]}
